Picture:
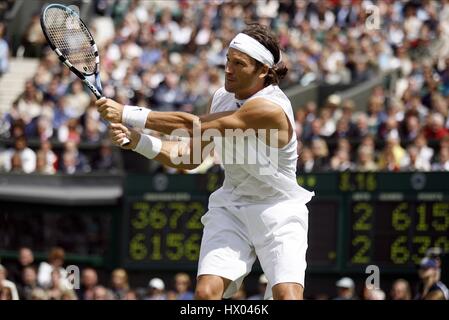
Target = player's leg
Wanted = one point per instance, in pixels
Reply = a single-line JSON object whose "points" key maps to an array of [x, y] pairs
{"points": [[288, 291], [226, 255], [211, 287], [279, 234]]}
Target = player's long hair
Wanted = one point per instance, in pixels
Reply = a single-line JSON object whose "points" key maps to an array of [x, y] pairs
{"points": [[263, 34]]}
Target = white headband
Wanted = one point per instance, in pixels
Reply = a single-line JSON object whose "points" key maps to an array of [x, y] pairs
{"points": [[253, 48]]}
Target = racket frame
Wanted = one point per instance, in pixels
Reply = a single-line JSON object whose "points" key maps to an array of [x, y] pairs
{"points": [[97, 88]]}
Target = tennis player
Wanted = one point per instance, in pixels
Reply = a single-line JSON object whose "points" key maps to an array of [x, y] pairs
{"points": [[260, 211]]}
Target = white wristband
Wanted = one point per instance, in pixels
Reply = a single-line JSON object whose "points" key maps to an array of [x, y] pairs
{"points": [[148, 146], [135, 116]]}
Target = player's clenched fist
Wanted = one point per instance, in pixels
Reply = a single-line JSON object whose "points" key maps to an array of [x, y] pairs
{"points": [[110, 110], [118, 132]]}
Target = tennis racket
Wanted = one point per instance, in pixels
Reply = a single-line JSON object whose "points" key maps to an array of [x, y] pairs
{"points": [[69, 37]]}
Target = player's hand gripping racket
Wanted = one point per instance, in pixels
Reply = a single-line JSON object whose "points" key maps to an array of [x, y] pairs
{"points": [[69, 37]]}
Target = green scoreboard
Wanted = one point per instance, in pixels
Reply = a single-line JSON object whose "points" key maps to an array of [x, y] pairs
{"points": [[355, 219]]}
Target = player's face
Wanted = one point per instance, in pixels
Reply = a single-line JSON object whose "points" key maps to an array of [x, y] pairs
{"points": [[242, 77]]}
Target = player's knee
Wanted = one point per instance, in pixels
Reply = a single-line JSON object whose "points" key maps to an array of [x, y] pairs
{"points": [[207, 292], [287, 292]]}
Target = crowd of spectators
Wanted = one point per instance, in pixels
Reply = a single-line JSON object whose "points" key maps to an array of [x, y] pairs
{"points": [[28, 279], [25, 279], [389, 139], [406, 126], [170, 55]]}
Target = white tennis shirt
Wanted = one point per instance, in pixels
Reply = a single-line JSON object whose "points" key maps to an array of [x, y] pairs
{"points": [[262, 177]]}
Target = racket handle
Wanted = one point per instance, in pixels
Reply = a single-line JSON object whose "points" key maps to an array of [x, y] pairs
{"points": [[125, 142]]}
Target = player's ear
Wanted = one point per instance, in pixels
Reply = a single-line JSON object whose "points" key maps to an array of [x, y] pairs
{"points": [[264, 71]]}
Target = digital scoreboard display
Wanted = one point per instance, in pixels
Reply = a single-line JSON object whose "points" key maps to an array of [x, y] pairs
{"points": [[355, 220], [167, 232], [396, 233], [393, 219], [164, 232]]}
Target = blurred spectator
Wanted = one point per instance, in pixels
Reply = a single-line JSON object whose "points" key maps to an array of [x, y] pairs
{"points": [[435, 129], [430, 287], [5, 293], [443, 161], [412, 128], [365, 159], [320, 154], [89, 280], [371, 293], [307, 117], [119, 284], [168, 96], [376, 114], [44, 128], [17, 129], [16, 163], [425, 153], [342, 130], [341, 161], [28, 105], [92, 131], [131, 295], [392, 155], [261, 288], [389, 127], [156, 290], [47, 160], [101, 293], [412, 162], [316, 129], [8, 289], [306, 162], [69, 295], [39, 294], [362, 125], [33, 39], [20, 157], [24, 260], [345, 289], [78, 99], [59, 286], [328, 123], [73, 161], [55, 262], [70, 131], [182, 287], [400, 290], [28, 282], [106, 159]]}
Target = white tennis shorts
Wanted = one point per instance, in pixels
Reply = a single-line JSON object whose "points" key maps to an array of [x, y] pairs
{"points": [[234, 235]]}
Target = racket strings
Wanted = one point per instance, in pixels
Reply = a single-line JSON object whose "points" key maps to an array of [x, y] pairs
{"points": [[71, 37]]}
